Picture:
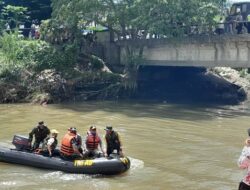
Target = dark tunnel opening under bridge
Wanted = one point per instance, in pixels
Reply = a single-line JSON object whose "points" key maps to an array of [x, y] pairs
{"points": [[186, 85]]}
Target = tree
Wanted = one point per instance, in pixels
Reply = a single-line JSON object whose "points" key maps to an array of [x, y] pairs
{"points": [[24, 11], [14, 14], [36, 9], [133, 19], [1, 17]]}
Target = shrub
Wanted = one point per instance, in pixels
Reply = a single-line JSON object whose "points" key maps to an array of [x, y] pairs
{"points": [[34, 55]]}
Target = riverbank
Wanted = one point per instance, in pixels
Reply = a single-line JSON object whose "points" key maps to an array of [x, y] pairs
{"points": [[50, 86], [163, 84], [239, 77], [41, 72]]}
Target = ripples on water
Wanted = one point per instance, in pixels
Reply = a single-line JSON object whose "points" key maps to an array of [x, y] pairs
{"points": [[170, 146], [29, 178]]}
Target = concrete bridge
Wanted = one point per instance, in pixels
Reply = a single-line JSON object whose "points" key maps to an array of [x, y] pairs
{"points": [[202, 51]]}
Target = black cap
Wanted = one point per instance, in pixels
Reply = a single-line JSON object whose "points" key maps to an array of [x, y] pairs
{"points": [[40, 122], [108, 128]]}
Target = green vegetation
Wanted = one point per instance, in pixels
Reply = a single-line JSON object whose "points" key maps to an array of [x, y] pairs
{"points": [[133, 19], [62, 64], [40, 67], [36, 9], [14, 14]]}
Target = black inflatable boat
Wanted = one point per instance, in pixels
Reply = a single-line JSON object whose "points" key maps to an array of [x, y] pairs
{"points": [[106, 166]]}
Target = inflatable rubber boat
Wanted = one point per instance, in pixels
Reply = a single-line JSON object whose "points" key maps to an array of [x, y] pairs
{"points": [[106, 166]]}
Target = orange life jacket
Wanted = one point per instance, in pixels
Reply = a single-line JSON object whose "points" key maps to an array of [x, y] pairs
{"points": [[92, 141], [66, 145]]}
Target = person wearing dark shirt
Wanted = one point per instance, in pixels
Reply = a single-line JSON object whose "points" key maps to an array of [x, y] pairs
{"points": [[40, 132], [113, 141]]}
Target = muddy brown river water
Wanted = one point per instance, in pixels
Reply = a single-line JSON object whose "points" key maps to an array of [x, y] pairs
{"points": [[170, 146]]}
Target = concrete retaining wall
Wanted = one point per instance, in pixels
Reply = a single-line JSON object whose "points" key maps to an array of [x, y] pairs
{"points": [[201, 51]]}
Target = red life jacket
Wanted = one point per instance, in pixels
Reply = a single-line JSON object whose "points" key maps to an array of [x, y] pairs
{"points": [[66, 145], [92, 141]]}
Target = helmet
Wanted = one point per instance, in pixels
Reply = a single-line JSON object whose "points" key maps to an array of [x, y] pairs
{"points": [[72, 129], [92, 128]]}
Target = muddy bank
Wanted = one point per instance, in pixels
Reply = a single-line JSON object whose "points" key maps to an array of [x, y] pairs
{"points": [[188, 85], [163, 84], [50, 86]]}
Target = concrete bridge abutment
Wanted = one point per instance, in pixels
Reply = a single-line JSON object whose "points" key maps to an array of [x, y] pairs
{"points": [[198, 51]]}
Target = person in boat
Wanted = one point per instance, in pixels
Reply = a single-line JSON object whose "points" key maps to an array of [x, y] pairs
{"points": [[78, 140], [92, 142], [50, 143], [70, 146], [40, 132], [113, 141]]}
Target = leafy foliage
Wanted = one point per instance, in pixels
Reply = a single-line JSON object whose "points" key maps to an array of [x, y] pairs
{"points": [[9, 47], [64, 45], [129, 17], [133, 19], [14, 14], [36, 9], [11, 15]]}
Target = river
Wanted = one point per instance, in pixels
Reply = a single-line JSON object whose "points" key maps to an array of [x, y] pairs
{"points": [[171, 146]]}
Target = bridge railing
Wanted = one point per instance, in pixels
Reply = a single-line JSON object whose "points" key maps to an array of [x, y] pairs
{"points": [[220, 28]]}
